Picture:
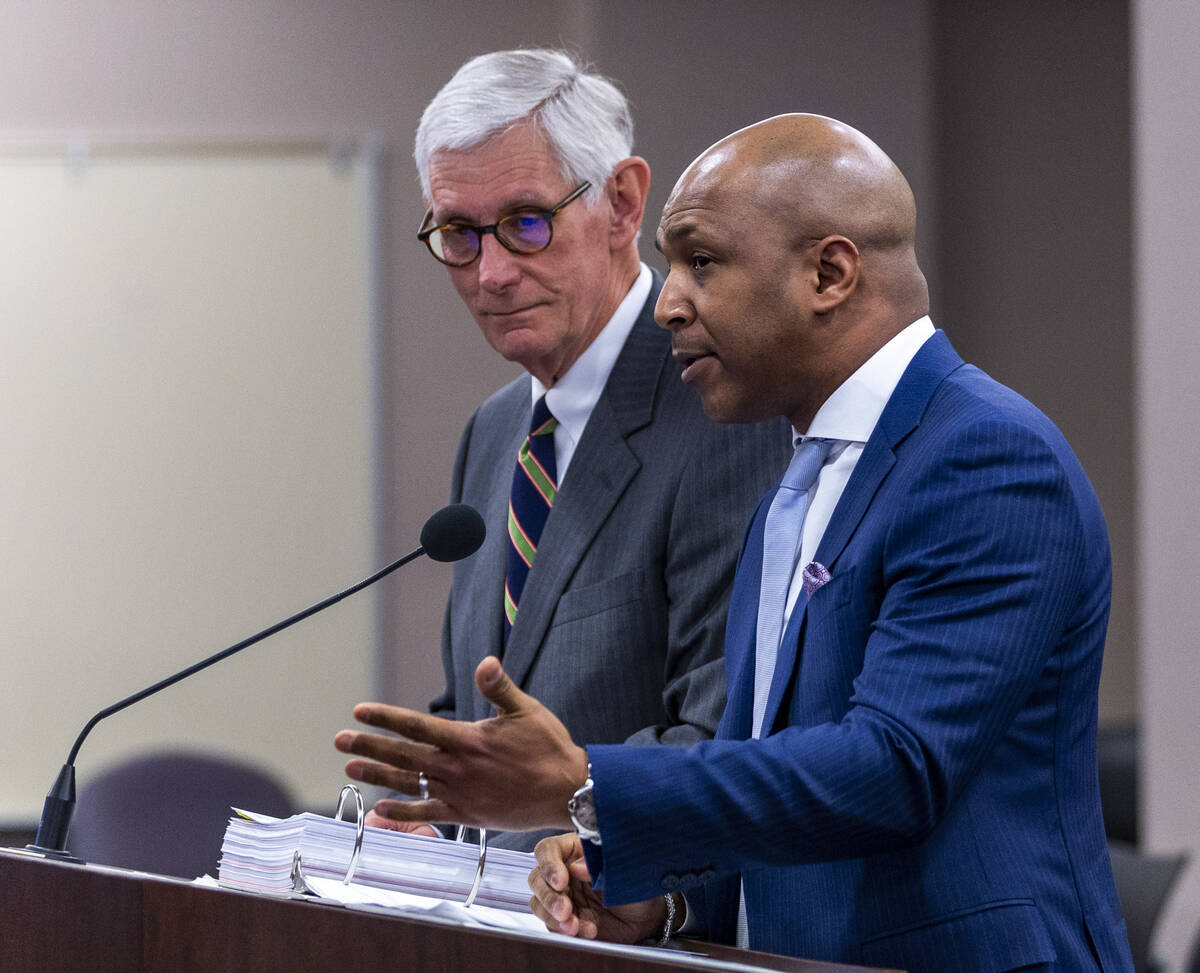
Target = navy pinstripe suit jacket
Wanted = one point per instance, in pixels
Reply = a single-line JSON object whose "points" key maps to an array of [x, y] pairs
{"points": [[927, 798]]}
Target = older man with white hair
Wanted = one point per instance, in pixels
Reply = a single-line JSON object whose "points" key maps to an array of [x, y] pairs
{"points": [[614, 508]]}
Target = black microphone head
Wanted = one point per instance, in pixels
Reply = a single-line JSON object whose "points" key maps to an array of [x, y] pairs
{"points": [[454, 532]]}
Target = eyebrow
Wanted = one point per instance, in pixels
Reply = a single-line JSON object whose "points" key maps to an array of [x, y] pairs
{"points": [[676, 233], [513, 206]]}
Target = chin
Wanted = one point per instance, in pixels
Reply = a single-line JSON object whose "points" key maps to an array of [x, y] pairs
{"points": [[520, 347], [730, 412], [721, 412]]}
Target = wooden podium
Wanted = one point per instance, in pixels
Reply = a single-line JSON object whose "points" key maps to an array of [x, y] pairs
{"points": [[63, 918]]}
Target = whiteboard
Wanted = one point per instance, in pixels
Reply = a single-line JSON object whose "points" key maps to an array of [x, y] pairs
{"points": [[187, 403]]}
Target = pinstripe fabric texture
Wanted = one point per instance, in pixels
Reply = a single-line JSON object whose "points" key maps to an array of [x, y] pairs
{"points": [[622, 617], [926, 798], [534, 488]]}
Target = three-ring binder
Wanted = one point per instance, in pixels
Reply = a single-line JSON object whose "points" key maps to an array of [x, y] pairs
{"points": [[300, 884]]}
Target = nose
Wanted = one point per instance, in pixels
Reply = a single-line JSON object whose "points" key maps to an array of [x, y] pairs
{"points": [[673, 311], [498, 267]]}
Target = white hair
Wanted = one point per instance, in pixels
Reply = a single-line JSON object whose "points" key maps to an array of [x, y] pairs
{"points": [[583, 115]]}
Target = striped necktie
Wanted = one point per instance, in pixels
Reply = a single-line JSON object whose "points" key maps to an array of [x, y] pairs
{"points": [[533, 491]]}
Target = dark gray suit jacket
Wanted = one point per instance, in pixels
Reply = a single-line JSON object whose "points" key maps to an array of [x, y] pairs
{"points": [[622, 619]]}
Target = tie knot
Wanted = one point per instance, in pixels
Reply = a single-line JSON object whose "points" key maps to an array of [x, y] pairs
{"points": [[543, 419], [806, 463]]}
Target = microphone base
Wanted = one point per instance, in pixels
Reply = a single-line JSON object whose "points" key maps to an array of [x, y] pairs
{"points": [[51, 854]]}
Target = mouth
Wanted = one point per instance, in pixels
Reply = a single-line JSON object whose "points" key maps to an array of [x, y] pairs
{"points": [[689, 358], [511, 313]]}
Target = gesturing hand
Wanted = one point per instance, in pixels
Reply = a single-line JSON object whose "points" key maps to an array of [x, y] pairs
{"points": [[376, 820], [563, 898], [515, 771]]}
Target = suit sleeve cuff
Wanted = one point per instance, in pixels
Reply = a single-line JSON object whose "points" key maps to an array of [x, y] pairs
{"points": [[593, 854]]}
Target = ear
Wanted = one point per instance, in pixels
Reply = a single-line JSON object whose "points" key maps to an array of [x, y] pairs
{"points": [[626, 191], [837, 265]]}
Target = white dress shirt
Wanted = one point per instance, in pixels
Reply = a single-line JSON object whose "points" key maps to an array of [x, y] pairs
{"points": [[575, 395], [848, 417]]}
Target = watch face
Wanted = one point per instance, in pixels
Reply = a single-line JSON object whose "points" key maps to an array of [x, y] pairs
{"points": [[582, 808]]}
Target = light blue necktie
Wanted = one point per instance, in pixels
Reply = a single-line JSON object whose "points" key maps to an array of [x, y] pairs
{"points": [[781, 547]]}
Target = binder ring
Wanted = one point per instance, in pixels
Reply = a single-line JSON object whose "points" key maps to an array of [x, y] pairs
{"points": [[460, 835], [359, 828]]}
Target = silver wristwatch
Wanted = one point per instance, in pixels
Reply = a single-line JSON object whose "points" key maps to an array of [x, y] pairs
{"points": [[582, 808]]}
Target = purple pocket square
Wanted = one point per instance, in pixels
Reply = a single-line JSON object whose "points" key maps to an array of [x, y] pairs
{"points": [[815, 575]]}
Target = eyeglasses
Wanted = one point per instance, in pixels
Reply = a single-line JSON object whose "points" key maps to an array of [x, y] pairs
{"points": [[526, 232]]}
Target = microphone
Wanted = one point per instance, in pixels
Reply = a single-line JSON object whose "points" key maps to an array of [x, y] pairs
{"points": [[454, 532]]}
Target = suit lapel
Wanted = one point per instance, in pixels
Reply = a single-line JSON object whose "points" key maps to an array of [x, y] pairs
{"points": [[736, 721], [902, 414], [602, 467], [900, 417]]}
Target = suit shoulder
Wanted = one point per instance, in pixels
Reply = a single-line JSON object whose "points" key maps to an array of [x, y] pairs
{"points": [[515, 395], [973, 415], [969, 396]]}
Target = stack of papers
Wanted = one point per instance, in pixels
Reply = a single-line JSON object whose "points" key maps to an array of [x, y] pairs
{"points": [[259, 851]]}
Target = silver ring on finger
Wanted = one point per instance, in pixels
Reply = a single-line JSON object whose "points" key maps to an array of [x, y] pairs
{"points": [[423, 786]]}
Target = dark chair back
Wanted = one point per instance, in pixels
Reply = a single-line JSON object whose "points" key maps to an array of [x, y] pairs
{"points": [[1117, 750], [1143, 881], [166, 812]]}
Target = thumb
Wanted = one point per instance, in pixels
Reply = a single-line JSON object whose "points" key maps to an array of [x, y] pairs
{"points": [[495, 686]]}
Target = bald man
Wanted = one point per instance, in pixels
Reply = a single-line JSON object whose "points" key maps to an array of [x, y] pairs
{"points": [[905, 773]]}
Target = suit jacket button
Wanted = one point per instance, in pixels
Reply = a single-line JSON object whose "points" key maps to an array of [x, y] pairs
{"points": [[707, 875], [670, 883], [687, 879]]}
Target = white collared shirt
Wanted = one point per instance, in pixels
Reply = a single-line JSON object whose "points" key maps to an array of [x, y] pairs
{"points": [[849, 416], [575, 395]]}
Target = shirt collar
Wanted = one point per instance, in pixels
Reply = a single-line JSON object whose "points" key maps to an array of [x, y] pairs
{"points": [[851, 412], [575, 394]]}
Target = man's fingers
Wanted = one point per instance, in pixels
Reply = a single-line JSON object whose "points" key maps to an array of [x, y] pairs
{"points": [[389, 778], [495, 686], [419, 811], [567, 925], [554, 856], [563, 897], [377, 820], [552, 875], [370, 772], [552, 907], [400, 754], [553, 872], [419, 727]]}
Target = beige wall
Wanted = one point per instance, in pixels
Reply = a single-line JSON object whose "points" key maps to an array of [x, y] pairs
{"points": [[1033, 175], [1167, 255], [1022, 231], [186, 385], [693, 71]]}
